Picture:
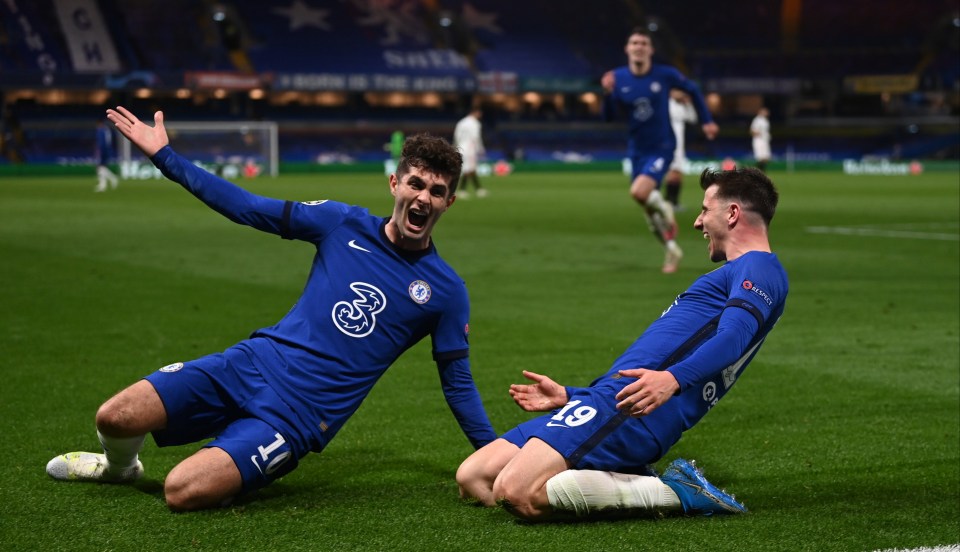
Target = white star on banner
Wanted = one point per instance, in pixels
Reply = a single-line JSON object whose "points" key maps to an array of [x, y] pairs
{"points": [[302, 15], [474, 19]]}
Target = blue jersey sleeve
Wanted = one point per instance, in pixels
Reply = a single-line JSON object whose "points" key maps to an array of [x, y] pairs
{"points": [[756, 289], [464, 401], [313, 220], [735, 331], [609, 109], [451, 331], [224, 197]]}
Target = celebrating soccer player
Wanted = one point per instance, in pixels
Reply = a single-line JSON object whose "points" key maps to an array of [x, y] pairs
{"points": [[591, 455], [377, 286], [640, 92]]}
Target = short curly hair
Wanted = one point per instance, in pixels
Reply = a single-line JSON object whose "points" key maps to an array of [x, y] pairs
{"points": [[431, 154]]}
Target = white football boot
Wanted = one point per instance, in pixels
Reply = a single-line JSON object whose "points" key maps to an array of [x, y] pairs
{"points": [[672, 257], [89, 466]]}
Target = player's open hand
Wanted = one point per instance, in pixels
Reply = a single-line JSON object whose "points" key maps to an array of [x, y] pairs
{"points": [[148, 139], [607, 81], [544, 394], [710, 130], [651, 389]]}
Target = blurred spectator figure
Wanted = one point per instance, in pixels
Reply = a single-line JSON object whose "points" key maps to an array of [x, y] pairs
{"points": [[639, 93], [103, 155], [760, 131], [396, 144], [681, 113], [395, 147], [11, 136], [468, 138]]}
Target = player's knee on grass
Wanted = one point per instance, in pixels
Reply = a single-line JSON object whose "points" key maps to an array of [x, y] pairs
{"points": [[182, 497], [208, 479], [517, 500], [466, 478], [475, 481]]}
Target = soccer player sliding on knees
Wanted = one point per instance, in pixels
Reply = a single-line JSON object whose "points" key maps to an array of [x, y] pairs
{"points": [[591, 454], [376, 287]]}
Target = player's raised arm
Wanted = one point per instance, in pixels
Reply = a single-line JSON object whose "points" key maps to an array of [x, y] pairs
{"points": [[224, 197], [148, 139]]}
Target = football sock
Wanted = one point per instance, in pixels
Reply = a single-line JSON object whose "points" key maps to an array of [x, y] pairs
{"points": [[656, 204], [673, 191], [121, 452], [655, 223], [664, 231], [586, 492]]}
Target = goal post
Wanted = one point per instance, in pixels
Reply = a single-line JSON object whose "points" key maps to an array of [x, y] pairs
{"points": [[231, 149]]}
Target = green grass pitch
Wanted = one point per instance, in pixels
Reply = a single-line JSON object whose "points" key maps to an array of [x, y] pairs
{"points": [[843, 434]]}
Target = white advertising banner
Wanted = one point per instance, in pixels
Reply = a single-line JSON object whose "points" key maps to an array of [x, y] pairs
{"points": [[88, 40]]}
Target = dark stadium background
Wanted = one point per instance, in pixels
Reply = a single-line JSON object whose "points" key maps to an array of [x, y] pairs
{"points": [[843, 80]]}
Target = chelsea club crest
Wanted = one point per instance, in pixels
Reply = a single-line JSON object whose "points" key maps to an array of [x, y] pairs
{"points": [[419, 291]]}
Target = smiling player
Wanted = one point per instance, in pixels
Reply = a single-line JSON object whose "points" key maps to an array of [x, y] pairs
{"points": [[590, 456], [377, 287], [639, 92]]}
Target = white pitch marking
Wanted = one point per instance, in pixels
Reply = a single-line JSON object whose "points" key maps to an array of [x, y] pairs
{"points": [[882, 233], [944, 548]]}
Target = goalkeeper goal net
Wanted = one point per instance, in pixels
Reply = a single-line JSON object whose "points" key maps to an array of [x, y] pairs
{"points": [[235, 149]]}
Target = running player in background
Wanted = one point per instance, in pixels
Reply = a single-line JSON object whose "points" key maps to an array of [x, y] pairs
{"points": [[681, 113], [468, 138], [639, 92], [592, 455], [760, 131], [377, 286], [103, 155]]}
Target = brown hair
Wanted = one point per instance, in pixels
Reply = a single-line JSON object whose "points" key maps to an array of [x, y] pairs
{"points": [[748, 186], [432, 154]]}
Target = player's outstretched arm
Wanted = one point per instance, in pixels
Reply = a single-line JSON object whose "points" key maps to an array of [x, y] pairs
{"points": [[222, 196], [148, 139], [545, 394]]}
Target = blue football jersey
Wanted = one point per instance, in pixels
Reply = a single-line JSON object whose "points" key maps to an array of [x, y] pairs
{"points": [[705, 338], [644, 101], [365, 302]]}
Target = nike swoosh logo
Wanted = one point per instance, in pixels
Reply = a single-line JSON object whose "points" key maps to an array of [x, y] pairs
{"points": [[353, 244], [256, 464], [551, 424]]}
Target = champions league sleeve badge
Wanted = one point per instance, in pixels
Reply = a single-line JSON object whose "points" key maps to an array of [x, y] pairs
{"points": [[419, 291]]}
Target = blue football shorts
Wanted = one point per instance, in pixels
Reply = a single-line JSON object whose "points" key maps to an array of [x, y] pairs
{"points": [[591, 434], [653, 164], [223, 396]]}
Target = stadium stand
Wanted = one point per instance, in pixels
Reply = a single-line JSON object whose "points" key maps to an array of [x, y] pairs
{"points": [[807, 60]]}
